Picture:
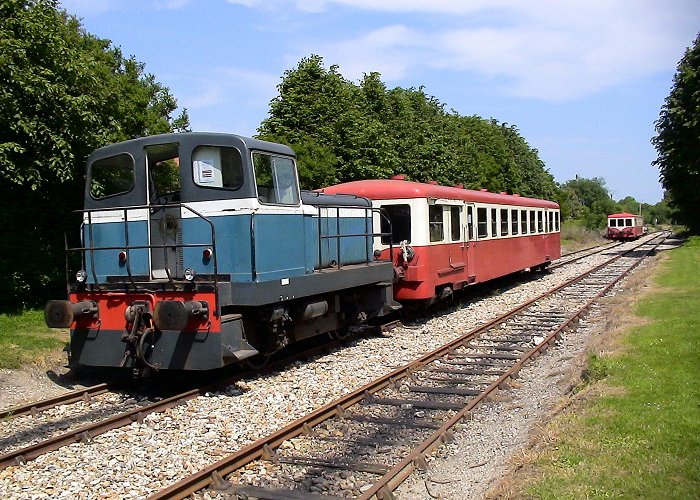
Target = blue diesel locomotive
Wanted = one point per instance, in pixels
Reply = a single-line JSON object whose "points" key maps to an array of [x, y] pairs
{"points": [[199, 250]]}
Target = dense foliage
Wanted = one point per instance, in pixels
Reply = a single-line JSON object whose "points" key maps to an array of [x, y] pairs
{"points": [[678, 140], [63, 93], [344, 131]]}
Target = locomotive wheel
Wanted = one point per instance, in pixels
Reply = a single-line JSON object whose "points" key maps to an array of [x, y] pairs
{"points": [[340, 334], [258, 361]]}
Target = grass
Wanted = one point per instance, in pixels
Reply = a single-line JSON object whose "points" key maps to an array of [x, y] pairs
{"points": [[25, 338], [575, 236], [640, 436]]}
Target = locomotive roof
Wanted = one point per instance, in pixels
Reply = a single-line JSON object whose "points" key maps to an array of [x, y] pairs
{"points": [[622, 215], [389, 189], [193, 139]]}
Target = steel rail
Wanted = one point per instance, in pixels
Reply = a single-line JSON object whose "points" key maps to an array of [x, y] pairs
{"points": [[66, 398], [88, 432], [568, 258], [260, 448]]}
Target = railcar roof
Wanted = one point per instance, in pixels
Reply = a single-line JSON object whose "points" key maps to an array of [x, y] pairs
{"points": [[622, 215], [193, 139], [389, 189]]}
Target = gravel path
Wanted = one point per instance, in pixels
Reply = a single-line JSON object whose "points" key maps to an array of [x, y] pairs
{"points": [[140, 459]]}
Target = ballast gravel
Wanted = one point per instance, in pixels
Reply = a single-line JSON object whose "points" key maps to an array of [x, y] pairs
{"points": [[140, 459]]}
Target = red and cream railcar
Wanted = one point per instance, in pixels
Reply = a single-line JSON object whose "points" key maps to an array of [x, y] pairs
{"points": [[625, 226], [445, 238]]}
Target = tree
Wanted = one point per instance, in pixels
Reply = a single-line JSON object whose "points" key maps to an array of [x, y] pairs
{"points": [[63, 93], [589, 200], [366, 131], [678, 140]]}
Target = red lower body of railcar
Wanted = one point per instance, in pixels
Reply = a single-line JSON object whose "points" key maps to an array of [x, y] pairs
{"points": [[437, 269]]}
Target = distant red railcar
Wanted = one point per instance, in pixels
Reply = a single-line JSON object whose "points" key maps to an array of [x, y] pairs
{"points": [[625, 226], [445, 238]]}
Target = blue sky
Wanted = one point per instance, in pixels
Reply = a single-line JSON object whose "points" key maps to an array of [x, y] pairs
{"points": [[583, 80]]}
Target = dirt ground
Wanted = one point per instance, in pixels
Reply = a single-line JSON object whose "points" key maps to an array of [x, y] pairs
{"points": [[45, 378]]}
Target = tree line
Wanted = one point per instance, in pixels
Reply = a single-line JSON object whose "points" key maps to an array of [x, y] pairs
{"points": [[65, 92], [342, 131]]}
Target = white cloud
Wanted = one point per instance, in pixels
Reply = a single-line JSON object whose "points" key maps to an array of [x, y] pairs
{"points": [[551, 50]]}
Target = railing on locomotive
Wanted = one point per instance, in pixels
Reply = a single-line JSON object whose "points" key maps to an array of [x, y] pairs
{"points": [[338, 236], [127, 248]]}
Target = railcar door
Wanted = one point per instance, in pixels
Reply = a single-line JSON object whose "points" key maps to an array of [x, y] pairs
{"points": [[165, 228], [470, 239]]}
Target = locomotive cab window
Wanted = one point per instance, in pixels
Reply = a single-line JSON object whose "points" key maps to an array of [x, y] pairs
{"points": [[112, 176], [163, 172], [217, 167], [276, 179], [435, 223], [398, 220]]}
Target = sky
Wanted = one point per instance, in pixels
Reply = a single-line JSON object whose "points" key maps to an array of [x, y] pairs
{"points": [[582, 80]]}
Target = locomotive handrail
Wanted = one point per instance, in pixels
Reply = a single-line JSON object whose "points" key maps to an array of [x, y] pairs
{"points": [[367, 234], [91, 248]]}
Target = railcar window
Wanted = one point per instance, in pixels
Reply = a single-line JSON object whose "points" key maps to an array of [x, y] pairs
{"points": [[532, 221], [540, 225], [494, 223], [514, 222], [111, 176], [455, 223], [482, 223], [400, 218], [523, 221], [504, 222], [217, 167], [556, 220], [629, 222], [435, 223], [470, 222], [276, 179], [551, 222]]}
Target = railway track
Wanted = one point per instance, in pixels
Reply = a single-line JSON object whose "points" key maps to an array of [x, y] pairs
{"points": [[377, 435], [83, 424], [583, 253], [103, 407]]}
